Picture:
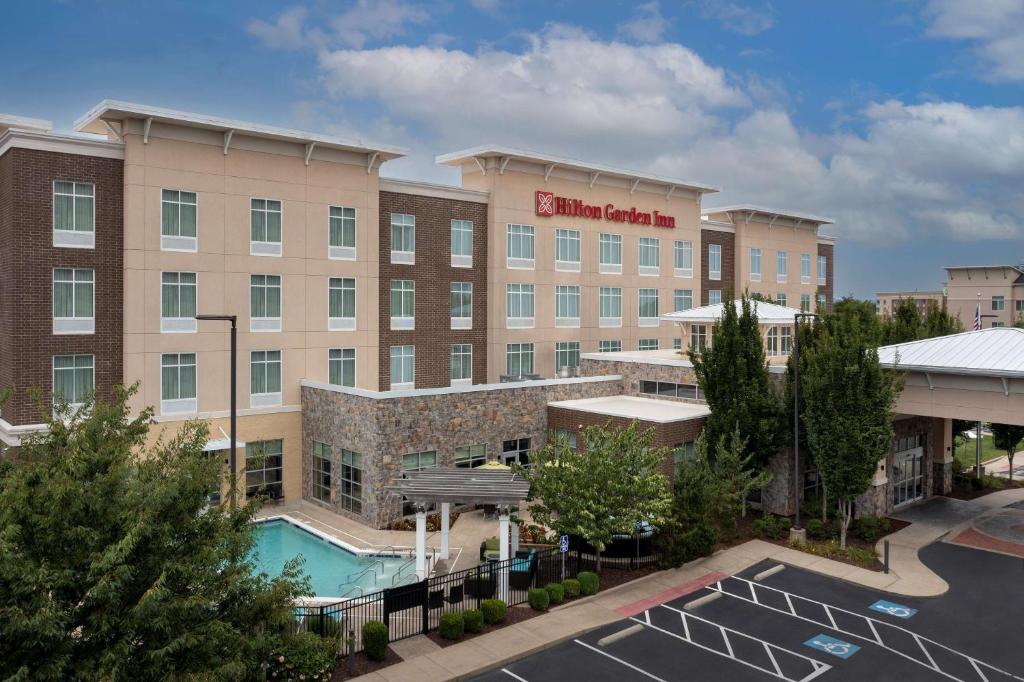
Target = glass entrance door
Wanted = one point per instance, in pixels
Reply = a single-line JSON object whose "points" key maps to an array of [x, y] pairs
{"points": [[908, 476]]}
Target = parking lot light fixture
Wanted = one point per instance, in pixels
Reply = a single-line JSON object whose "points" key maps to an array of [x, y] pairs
{"points": [[232, 456]]}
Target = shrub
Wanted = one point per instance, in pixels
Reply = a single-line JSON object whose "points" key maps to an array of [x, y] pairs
{"points": [[538, 599], [572, 588], [868, 528], [451, 626], [375, 639], [771, 526], [494, 611], [588, 582], [325, 626], [816, 529], [305, 654], [977, 483], [474, 620], [556, 592]]}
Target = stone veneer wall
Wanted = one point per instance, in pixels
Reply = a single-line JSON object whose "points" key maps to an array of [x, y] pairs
{"points": [[382, 429], [878, 500], [633, 372]]}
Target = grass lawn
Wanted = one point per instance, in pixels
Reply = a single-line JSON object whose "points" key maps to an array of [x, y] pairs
{"points": [[965, 453]]}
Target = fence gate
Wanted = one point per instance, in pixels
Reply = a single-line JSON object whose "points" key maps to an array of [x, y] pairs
{"points": [[405, 610]]}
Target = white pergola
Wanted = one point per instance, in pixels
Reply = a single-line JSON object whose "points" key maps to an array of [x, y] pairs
{"points": [[494, 486], [769, 316]]}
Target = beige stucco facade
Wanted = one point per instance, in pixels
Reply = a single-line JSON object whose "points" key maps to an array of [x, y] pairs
{"points": [[966, 287]]}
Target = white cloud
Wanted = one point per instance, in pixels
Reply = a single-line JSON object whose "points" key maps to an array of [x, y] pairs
{"points": [[284, 33], [739, 18], [647, 24], [994, 28], [488, 6], [376, 20]]}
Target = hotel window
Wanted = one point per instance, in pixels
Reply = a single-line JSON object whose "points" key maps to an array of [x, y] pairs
{"points": [[177, 383], [564, 436], [265, 227], [567, 250], [403, 304], [341, 303], [461, 305], [519, 306], [649, 256], [998, 303], [516, 451], [771, 341], [648, 307], [74, 291], [785, 338], [648, 344], [780, 298], [610, 300], [805, 268], [178, 220], [417, 461], [567, 306], [714, 261], [567, 354], [610, 256], [677, 344], [341, 233], [1019, 306], [351, 497], [403, 238], [609, 346], [74, 214], [470, 456], [341, 367], [671, 389], [682, 453], [403, 367], [177, 302], [74, 379], [698, 338], [462, 244], [805, 303], [263, 468], [321, 472], [998, 324], [264, 378], [821, 303], [462, 364], [822, 269], [520, 246], [265, 303], [518, 359], [683, 265], [755, 265], [682, 299], [781, 266], [714, 296]]}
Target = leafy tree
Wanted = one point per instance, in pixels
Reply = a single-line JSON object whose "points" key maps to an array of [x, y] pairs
{"points": [[735, 480], [848, 411], [1007, 437], [606, 488], [114, 567], [906, 323], [689, 531], [733, 374], [864, 312], [938, 322]]}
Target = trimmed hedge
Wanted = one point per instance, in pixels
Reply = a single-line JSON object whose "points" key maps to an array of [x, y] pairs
{"points": [[538, 598], [556, 593], [572, 588], [494, 611], [474, 620], [375, 640], [589, 583], [451, 626]]}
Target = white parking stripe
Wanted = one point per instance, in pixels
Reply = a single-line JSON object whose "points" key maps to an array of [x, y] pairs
{"points": [[513, 675], [619, 660]]}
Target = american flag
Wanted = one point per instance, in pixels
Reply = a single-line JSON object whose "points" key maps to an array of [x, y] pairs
{"points": [[977, 318]]}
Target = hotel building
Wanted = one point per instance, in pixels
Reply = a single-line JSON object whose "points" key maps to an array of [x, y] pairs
{"points": [[997, 289], [384, 325], [886, 302]]}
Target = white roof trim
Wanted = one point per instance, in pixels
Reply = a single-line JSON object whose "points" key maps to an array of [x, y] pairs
{"points": [[993, 352], [460, 157], [25, 123], [54, 142], [635, 407], [447, 390], [428, 189], [767, 313], [770, 212], [92, 122], [643, 357]]}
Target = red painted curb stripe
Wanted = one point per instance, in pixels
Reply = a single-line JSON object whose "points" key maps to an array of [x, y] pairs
{"points": [[670, 594]]}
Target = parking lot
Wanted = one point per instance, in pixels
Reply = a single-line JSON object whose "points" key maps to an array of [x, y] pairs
{"points": [[797, 626]]}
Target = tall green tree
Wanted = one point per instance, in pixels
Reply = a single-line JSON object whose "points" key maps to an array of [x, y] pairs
{"points": [[906, 323], [689, 530], [606, 488], [733, 374], [113, 566], [735, 479], [1007, 437], [865, 313], [848, 410], [938, 322]]}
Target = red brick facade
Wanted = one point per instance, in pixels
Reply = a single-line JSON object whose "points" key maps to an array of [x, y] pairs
{"points": [[433, 274], [27, 260], [727, 240], [828, 289]]}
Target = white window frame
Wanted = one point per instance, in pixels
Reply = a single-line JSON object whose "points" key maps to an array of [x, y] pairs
{"points": [[564, 293], [460, 227], [178, 325], [755, 264], [714, 296], [179, 242], [403, 256], [342, 251], [785, 340], [342, 324], [613, 294], [406, 355], [521, 350], [179, 405], [805, 268], [781, 298], [609, 346], [805, 303], [470, 456], [651, 344], [53, 376], [403, 321], [525, 293], [642, 294], [74, 324], [459, 350], [614, 244], [73, 239], [524, 235], [714, 261], [341, 360], [461, 289], [682, 255], [822, 269], [781, 267], [264, 323], [648, 245], [570, 236], [567, 349], [685, 295], [265, 248], [267, 398], [1002, 303], [771, 342], [821, 302]]}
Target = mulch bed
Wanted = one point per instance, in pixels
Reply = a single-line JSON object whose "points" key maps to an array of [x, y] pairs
{"points": [[364, 665], [968, 492], [516, 614]]}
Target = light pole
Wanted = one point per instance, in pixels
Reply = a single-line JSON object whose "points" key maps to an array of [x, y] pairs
{"points": [[797, 475], [233, 319]]}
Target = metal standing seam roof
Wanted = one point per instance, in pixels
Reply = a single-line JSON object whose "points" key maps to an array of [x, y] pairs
{"points": [[767, 313], [471, 486], [996, 352]]}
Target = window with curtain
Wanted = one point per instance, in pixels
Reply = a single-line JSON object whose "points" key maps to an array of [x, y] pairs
{"points": [[74, 378], [518, 359], [74, 206], [682, 299], [649, 248], [321, 477], [805, 267], [265, 296], [771, 341], [341, 227], [73, 293], [714, 296], [265, 221], [519, 301], [462, 239], [648, 304], [462, 363], [785, 338], [403, 237], [821, 303], [998, 303], [471, 456], [822, 269], [805, 303], [567, 354], [178, 213], [755, 265], [341, 367], [698, 338], [610, 252], [567, 246], [781, 266], [351, 488], [780, 298], [610, 301], [683, 251], [403, 303], [714, 261], [648, 344], [341, 299], [264, 372], [520, 244], [567, 305], [178, 295], [403, 366], [264, 469], [462, 300], [609, 346], [178, 376]]}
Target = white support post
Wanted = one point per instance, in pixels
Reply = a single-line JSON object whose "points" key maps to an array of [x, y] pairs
{"points": [[503, 553], [421, 543], [445, 515], [515, 538]]}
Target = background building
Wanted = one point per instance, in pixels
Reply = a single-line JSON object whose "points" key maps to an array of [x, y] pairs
{"points": [[999, 289], [887, 302]]}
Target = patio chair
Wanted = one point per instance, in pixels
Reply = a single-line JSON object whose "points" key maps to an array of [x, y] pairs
{"points": [[455, 594], [435, 599]]}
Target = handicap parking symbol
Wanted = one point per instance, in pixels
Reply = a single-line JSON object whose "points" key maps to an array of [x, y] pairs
{"points": [[889, 608], [831, 645]]}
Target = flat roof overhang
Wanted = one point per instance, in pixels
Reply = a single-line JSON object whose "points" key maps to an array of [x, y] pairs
{"points": [[751, 210], [471, 486], [634, 407]]}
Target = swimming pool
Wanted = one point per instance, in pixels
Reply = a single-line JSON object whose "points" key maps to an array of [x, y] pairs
{"points": [[328, 565]]}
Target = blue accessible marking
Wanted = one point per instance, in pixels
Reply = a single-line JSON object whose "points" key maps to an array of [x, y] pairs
{"points": [[891, 609], [831, 645]]}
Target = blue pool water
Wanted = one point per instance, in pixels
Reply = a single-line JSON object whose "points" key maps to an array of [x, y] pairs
{"points": [[328, 565]]}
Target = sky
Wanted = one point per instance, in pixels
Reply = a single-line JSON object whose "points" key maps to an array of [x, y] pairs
{"points": [[901, 120]]}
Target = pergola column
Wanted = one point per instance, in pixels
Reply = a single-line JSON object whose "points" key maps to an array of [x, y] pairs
{"points": [[421, 542], [515, 538], [503, 528], [445, 514]]}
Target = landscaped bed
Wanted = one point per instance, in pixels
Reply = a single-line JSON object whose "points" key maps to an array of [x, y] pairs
{"points": [[966, 487]]}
